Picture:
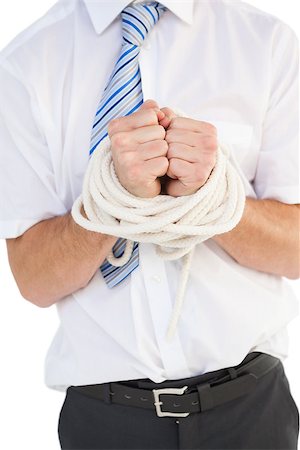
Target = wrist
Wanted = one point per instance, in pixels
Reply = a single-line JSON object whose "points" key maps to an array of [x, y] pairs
{"points": [[86, 238]]}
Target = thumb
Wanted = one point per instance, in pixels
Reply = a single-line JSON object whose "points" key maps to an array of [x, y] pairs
{"points": [[169, 115], [152, 104], [149, 104]]}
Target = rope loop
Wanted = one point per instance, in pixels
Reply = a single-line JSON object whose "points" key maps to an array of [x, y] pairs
{"points": [[175, 224]]}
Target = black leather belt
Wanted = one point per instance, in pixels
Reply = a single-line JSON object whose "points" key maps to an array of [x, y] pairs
{"points": [[182, 400]]}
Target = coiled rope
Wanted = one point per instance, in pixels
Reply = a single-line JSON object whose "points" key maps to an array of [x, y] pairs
{"points": [[175, 224]]}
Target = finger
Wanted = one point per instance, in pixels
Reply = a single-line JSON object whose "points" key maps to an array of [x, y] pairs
{"points": [[152, 104], [157, 167], [193, 125], [170, 173], [169, 115], [147, 134], [183, 151], [153, 149], [182, 170], [169, 112], [143, 117], [203, 141], [177, 189]]}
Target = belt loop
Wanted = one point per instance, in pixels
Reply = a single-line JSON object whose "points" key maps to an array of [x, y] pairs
{"points": [[106, 390], [232, 373], [205, 397]]}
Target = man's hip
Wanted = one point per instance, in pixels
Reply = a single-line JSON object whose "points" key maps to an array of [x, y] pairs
{"points": [[248, 406]]}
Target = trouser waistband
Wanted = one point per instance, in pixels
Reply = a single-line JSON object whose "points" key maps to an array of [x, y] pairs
{"points": [[146, 383], [197, 394]]}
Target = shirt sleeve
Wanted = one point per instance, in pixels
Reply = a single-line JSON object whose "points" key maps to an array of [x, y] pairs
{"points": [[27, 181], [277, 175]]}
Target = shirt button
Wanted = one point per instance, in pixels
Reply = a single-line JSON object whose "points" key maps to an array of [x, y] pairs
{"points": [[156, 278]]}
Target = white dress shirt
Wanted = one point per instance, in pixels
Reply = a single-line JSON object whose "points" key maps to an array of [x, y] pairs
{"points": [[224, 62]]}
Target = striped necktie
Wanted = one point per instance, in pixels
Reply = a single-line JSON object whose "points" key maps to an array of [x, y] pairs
{"points": [[122, 96]]}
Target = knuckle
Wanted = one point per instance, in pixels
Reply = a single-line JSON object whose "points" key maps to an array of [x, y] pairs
{"points": [[210, 128], [168, 135], [173, 164], [171, 150], [163, 164], [164, 146], [119, 140], [150, 116], [210, 142], [162, 131], [175, 122], [113, 126], [167, 111], [133, 173], [122, 160], [150, 103], [125, 159], [202, 174]]}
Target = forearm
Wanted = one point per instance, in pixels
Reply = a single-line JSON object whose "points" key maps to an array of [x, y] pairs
{"points": [[55, 258], [266, 238]]}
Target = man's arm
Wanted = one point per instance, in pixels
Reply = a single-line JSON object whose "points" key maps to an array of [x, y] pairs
{"points": [[267, 238], [56, 257]]}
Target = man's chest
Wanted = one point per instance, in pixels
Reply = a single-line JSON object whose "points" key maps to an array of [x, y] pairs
{"points": [[207, 77]]}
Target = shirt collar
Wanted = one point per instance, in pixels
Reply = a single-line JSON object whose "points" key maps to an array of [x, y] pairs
{"points": [[103, 12]]}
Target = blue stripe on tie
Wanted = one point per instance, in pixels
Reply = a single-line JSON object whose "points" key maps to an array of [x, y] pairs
{"points": [[122, 86], [156, 9], [118, 280], [110, 110], [105, 266], [124, 112], [129, 41], [145, 6], [135, 108], [129, 14], [119, 90], [120, 68], [117, 274], [122, 98], [118, 252], [133, 47], [126, 53], [126, 62], [93, 148], [134, 26], [128, 58]]}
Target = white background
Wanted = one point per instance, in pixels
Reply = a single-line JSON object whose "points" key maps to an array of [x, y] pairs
{"points": [[28, 410]]}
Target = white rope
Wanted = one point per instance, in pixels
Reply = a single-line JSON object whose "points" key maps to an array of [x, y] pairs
{"points": [[175, 224]]}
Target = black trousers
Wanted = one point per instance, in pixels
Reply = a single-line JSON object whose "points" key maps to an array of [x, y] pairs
{"points": [[267, 418]]}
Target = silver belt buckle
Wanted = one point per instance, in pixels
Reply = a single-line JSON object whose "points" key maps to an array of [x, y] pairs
{"points": [[158, 403]]}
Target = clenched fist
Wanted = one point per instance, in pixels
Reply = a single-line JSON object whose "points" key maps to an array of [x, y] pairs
{"points": [[192, 150], [153, 148], [139, 150]]}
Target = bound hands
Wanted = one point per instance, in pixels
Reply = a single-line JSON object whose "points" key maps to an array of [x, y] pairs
{"points": [[153, 143]]}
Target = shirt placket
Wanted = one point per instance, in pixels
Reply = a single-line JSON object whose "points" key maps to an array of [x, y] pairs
{"points": [[152, 266], [161, 306]]}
